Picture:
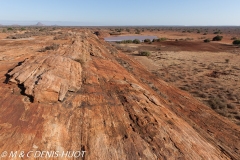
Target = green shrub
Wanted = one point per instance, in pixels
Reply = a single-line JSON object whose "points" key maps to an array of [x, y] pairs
{"points": [[147, 40], [163, 39], [144, 53], [160, 39], [234, 38], [206, 40], [126, 41], [114, 33], [97, 33], [217, 38], [137, 31], [9, 29], [136, 41], [216, 103], [236, 42], [42, 29]]}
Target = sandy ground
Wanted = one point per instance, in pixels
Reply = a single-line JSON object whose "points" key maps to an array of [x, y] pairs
{"points": [[209, 71]]}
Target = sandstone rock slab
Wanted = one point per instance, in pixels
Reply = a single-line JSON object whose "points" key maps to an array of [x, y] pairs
{"points": [[48, 77]]}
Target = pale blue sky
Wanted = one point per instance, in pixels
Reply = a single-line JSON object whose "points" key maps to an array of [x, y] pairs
{"points": [[121, 12]]}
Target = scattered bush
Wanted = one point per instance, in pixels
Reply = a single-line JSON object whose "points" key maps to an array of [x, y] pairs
{"points": [[159, 39], [154, 40], [97, 33], [126, 41], [216, 103], [147, 40], [237, 117], [42, 29], [206, 40], [236, 42], [163, 39], [115, 33], [9, 29], [52, 47], [61, 36], [226, 60], [217, 38], [144, 53], [118, 30], [137, 31], [234, 38], [30, 34], [188, 39], [231, 106], [136, 41]]}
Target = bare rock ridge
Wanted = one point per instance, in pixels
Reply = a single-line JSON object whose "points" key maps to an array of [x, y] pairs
{"points": [[49, 77], [89, 97]]}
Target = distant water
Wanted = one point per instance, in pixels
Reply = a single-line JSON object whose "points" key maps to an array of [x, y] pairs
{"points": [[121, 38]]}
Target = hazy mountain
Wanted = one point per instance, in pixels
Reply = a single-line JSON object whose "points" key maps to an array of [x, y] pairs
{"points": [[15, 25], [39, 24]]}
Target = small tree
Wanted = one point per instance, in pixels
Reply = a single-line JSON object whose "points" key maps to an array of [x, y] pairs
{"points": [[162, 39], [154, 40], [144, 53], [97, 33], [217, 38], [147, 40], [206, 40], [136, 41], [236, 42]]}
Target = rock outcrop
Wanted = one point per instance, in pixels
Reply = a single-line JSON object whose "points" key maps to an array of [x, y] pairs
{"points": [[47, 78]]}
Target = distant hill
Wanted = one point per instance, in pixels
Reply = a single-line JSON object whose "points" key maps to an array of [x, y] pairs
{"points": [[39, 24], [15, 25]]}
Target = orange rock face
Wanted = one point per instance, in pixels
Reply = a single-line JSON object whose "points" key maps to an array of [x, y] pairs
{"points": [[88, 99], [48, 77]]}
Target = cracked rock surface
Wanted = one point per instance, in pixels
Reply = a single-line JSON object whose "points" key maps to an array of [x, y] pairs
{"points": [[48, 77]]}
